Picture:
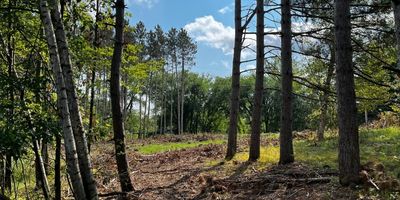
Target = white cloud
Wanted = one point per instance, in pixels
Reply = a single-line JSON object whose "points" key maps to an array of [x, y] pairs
{"points": [[215, 34], [226, 9], [147, 3]]}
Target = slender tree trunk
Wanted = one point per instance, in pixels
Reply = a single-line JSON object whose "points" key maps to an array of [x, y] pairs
{"points": [[10, 61], [8, 173], [182, 94], [73, 104], [349, 153], [96, 43], [140, 117], [148, 107], [42, 171], [396, 9], [235, 85], [45, 155], [178, 100], [115, 89], [57, 169], [70, 148], [145, 116], [286, 140], [171, 110], [325, 97], [2, 173], [259, 86]]}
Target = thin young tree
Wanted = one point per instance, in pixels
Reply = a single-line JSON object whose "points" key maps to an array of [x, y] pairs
{"points": [[349, 152], [115, 89], [259, 85], [325, 95], [73, 103], [70, 148], [96, 44], [396, 11], [235, 85], [286, 138]]}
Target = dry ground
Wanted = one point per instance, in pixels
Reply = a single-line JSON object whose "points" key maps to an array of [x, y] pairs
{"points": [[201, 173]]}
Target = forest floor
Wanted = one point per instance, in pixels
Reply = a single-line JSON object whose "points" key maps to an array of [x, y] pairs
{"points": [[193, 167]]}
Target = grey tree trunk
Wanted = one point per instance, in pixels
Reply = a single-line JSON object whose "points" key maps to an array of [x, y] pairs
{"points": [[235, 85], [325, 96], [259, 86], [73, 104], [45, 155], [57, 169], [140, 117], [96, 44], [2, 173], [286, 138], [42, 170], [396, 9], [182, 93], [349, 153], [178, 100], [8, 173], [115, 90], [70, 148]]}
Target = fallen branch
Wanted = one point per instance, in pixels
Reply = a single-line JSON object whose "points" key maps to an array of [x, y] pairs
{"points": [[113, 194]]}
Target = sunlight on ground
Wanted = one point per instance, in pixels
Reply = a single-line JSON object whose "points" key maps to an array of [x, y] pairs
{"points": [[163, 147]]}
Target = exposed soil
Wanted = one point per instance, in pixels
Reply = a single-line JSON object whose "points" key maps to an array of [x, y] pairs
{"points": [[190, 174]]}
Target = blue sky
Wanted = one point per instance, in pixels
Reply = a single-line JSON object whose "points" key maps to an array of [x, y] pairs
{"points": [[213, 17], [209, 22]]}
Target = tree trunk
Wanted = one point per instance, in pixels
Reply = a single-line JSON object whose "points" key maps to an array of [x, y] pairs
{"points": [[171, 112], [57, 169], [10, 61], [115, 89], [235, 85], [178, 100], [8, 173], [70, 148], [145, 116], [286, 138], [140, 117], [96, 43], [182, 93], [45, 155], [259, 86], [73, 104], [396, 9], [325, 97], [349, 153], [41, 169], [2, 173]]}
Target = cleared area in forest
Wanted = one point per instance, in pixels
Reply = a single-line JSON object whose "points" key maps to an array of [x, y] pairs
{"points": [[193, 167]]}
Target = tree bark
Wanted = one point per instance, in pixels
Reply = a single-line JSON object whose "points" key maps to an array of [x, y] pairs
{"points": [[396, 9], [57, 169], [96, 43], [349, 153], [286, 138], [115, 89], [2, 173], [8, 173], [182, 93], [235, 85], [70, 148], [140, 117], [259, 86], [73, 104], [325, 97], [44, 184]]}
